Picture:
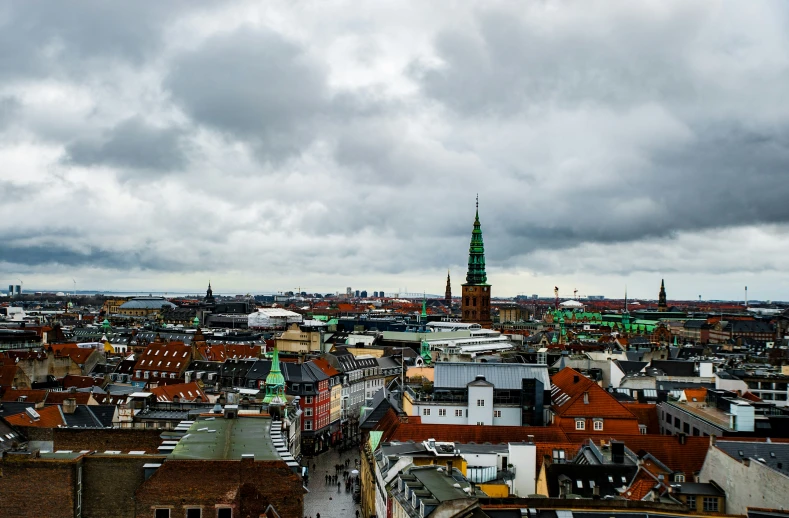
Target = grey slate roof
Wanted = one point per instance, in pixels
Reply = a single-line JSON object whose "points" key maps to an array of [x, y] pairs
{"points": [[502, 375], [147, 303], [772, 453]]}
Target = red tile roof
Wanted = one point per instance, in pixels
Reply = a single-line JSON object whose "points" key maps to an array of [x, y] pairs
{"points": [[80, 381], [324, 366], [7, 375], [600, 404], [49, 417], [646, 414], [750, 396], [643, 483], [221, 352], [185, 391], [163, 357], [477, 434], [31, 396], [685, 458]]}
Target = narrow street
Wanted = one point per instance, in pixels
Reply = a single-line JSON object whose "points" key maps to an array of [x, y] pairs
{"points": [[323, 498]]}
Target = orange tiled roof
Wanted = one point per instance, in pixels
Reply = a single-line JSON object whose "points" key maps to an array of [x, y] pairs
{"points": [[750, 396], [601, 403], [49, 417], [646, 414], [683, 458], [185, 391], [71, 380], [221, 352], [163, 357], [477, 434], [7, 375], [324, 366], [110, 399], [642, 484], [696, 394], [31, 396]]}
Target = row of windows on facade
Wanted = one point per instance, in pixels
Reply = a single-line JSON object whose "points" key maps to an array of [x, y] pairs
{"points": [[474, 302], [196, 512], [459, 412], [155, 374], [709, 503]]}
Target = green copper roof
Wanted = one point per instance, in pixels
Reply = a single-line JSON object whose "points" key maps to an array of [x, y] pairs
{"points": [[275, 381], [424, 308], [476, 255]]}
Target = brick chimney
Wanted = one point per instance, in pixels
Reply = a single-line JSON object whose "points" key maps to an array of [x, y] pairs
{"points": [[69, 405]]}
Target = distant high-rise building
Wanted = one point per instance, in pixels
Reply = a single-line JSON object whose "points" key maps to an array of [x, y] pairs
{"points": [[348, 292], [475, 302], [18, 290], [381, 294], [661, 305], [363, 294], [356, 293], [448, 292]]}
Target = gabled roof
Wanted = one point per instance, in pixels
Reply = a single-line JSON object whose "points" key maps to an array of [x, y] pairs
{"points": [[685, 458], [647, 415], [629, 367], [80, 381], [57, 398], [568, 397], [30, 396], [184, 391]]}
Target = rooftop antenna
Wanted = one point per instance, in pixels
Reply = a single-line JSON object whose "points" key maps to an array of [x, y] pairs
{"points": [[575, 293], [746, 297], [75, 286]]}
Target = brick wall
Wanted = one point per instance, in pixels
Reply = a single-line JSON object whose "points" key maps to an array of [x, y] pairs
{"points": [[101, 440], [109, 483], [247, 486], [37, 488]]}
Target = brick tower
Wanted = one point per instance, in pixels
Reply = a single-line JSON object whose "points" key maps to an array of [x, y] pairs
{"points": [[475, 303]]}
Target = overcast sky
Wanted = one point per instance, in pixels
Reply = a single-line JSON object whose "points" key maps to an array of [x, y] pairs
{"points": [[316, 144]]}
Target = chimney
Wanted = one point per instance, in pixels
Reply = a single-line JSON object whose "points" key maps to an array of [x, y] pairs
{"points": [[713, 438], [69, 405], [617, 452], [596, 492], [586, 398], [449, 468], [682, 436], [576, 379]]}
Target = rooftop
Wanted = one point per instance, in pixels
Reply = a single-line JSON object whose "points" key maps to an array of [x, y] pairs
{"points": [[218, 438]]}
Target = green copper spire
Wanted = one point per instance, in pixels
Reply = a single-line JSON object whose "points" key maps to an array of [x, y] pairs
{"points": [[275, 381], [424, 307], [476, 255]]}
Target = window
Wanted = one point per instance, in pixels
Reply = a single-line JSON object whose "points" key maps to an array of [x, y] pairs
{"points": [[691, 501], [442, 412], [580, 424], [161, 513], [679, 477], [480, 423], [686, 427], [497, 413], [642, 428], [224, 512], [459, 413], [425, 411], [710, 504], [308, 425], [598, 425], [558, 455], [194, 513], [480, 402], [308, 412], [145, 375], [676, 422], [307, 400]]}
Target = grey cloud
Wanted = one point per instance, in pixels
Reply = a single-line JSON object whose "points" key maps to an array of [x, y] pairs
{"points": [[60, 37], [256, 86], [132, 144], [56, 254]]}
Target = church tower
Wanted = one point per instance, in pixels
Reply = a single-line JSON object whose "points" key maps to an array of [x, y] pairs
{"points": [[661, 305], [448, 293], [475, 303]]}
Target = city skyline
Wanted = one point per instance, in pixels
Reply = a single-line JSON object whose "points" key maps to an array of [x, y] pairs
{"points": [[327, 145]]}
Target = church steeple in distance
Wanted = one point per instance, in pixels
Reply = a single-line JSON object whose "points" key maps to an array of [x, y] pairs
{"points": [[448, 292], [475, 302], [662, 305]]}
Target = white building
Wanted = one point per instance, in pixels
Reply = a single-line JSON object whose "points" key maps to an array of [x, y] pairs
{"points": [[500, 394], [272, 318]]}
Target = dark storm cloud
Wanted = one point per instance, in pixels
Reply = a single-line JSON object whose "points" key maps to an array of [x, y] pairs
{"points": [[44, 39], [132, 144], [55, 254], [256, 86], [710, 168]]}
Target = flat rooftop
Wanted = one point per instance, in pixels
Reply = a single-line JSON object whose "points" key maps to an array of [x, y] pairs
{"points": [[226, 439]]}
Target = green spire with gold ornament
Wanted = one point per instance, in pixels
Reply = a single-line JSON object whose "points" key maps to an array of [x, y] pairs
{"points": [[476, 255], [196, 321], [275, 381], [424, 306]]}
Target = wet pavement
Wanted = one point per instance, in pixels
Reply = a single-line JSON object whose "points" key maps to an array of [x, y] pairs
{"points": [[323, 498]]}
